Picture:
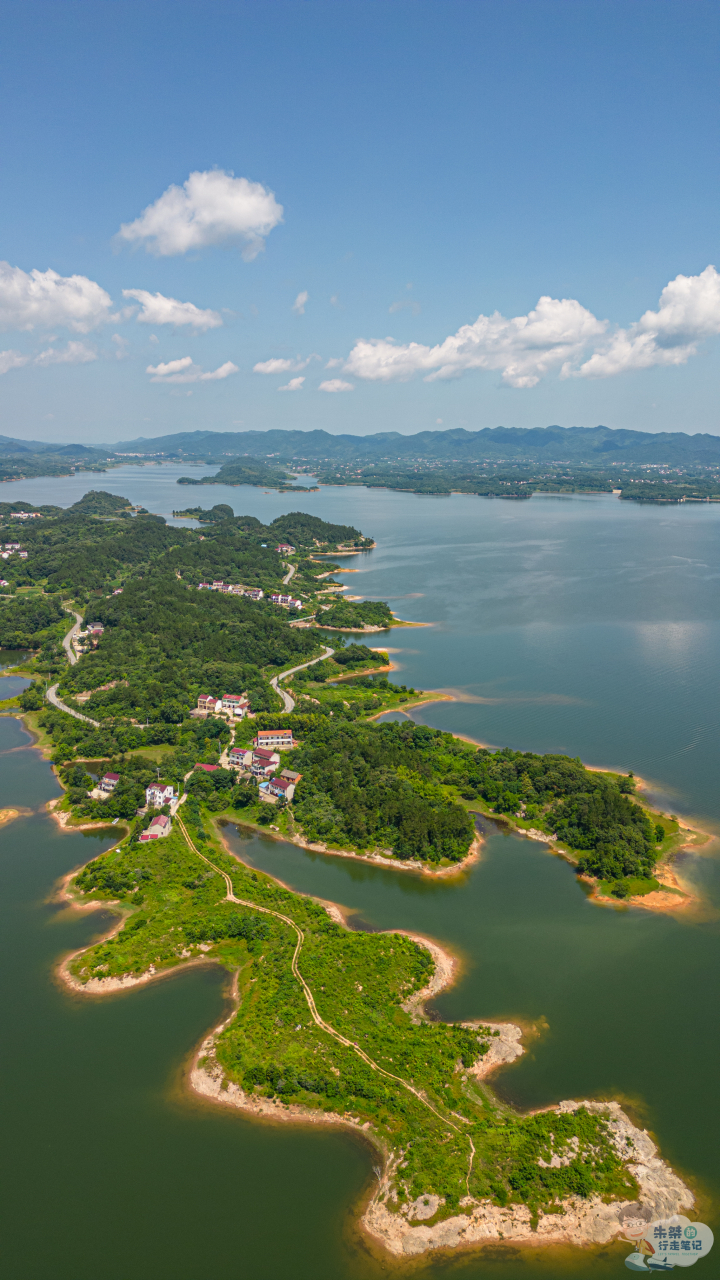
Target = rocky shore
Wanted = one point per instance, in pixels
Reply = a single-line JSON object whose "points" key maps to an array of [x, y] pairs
{"points": [[402, 1231]]}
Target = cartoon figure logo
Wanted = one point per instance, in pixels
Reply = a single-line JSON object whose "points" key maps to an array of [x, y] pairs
{"points": [[667, 1243]]}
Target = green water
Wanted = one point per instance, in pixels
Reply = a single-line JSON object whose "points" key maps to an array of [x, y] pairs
{"points": [[577, 624]]}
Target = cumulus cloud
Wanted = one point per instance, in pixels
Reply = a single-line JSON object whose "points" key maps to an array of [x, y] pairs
{"points": [[121, 346], [689, 311], [73, 353], [523, 348], [293, 385], [279, 365], [12, 360], [156, 309], [184, 370], [336, 384], [212, 207], [298, 305], [559, 335], [43, 299]]}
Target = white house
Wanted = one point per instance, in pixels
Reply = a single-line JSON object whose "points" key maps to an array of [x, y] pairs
{"points": [[109, 782], [281, 739], [158, 794], [236, 704]]}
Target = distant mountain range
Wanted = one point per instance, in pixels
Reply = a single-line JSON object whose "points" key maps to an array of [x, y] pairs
{"points": [[575, 445]]}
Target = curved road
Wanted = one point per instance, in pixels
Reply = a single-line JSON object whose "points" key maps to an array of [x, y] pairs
{"points": [[290, 702], [317, 1019], [72, 659], [290, 573]]}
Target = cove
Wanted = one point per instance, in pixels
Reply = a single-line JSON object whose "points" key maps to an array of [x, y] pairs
{"points": [[563, 624]]}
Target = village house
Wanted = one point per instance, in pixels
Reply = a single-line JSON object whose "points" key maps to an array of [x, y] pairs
{"points": [[23, 555], [254, 593], [95, 629], [159, 827], [240, 757], [158, 794], [208, 702], [280, 738], [287, 601], [264, 763], [283, 788], [12, 546], [207, 768], [109, 782], [236, 704], [205, 585], [285, 549]]}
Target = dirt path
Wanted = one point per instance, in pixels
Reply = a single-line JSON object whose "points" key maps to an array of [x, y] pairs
{"points": [[310, 999]]}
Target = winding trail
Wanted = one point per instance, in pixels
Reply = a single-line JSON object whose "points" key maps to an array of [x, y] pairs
{"points": [[288, 701], [72, 659], [291, 568], [317, 1019]]}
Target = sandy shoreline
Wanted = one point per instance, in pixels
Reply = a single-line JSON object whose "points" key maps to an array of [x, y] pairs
{"points": [[402, 1231], [379, 860]]}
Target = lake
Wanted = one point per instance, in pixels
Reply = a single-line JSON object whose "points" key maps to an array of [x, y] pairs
{"points": [[577, 624]]}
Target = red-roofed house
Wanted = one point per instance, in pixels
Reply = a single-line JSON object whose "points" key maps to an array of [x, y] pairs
{"points": [[236, 704], [208, 702], [283, 788], [159, 827], [109, 782], [209, 768], [158, 794]]}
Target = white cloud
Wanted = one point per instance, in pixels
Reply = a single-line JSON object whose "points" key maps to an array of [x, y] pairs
{"points": [[558, 335], [12, 360], [212, 207], [689, 311], [333, 364], [298, 305], [73, 353], [184, 370], [280, 365], [44, 299], [157, 309], [336, 384], [524, 348], [293, 385], [121, 346]]}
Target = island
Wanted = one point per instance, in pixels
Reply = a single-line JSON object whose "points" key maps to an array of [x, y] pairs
{"points": [[189, 691]]}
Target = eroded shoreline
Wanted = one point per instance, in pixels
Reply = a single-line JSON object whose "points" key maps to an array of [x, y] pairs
{"points": [[408, 1230]]}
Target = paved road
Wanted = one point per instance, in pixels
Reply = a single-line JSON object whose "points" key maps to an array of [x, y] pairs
{"points": [[288, 701], [290, 574], [72, 658], [68, 639], [52, 697]]}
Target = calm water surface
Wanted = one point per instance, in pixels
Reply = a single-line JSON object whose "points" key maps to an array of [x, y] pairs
{"points": [[577, 624]]}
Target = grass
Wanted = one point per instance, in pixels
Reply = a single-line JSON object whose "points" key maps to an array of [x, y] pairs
{"points": [[174, 905]]}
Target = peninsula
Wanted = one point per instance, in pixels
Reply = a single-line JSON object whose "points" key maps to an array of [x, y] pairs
{"points": [[329, 1028], [189, 693]]}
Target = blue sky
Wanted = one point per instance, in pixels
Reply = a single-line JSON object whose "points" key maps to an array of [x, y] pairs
{"points": [[424, 172]]}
